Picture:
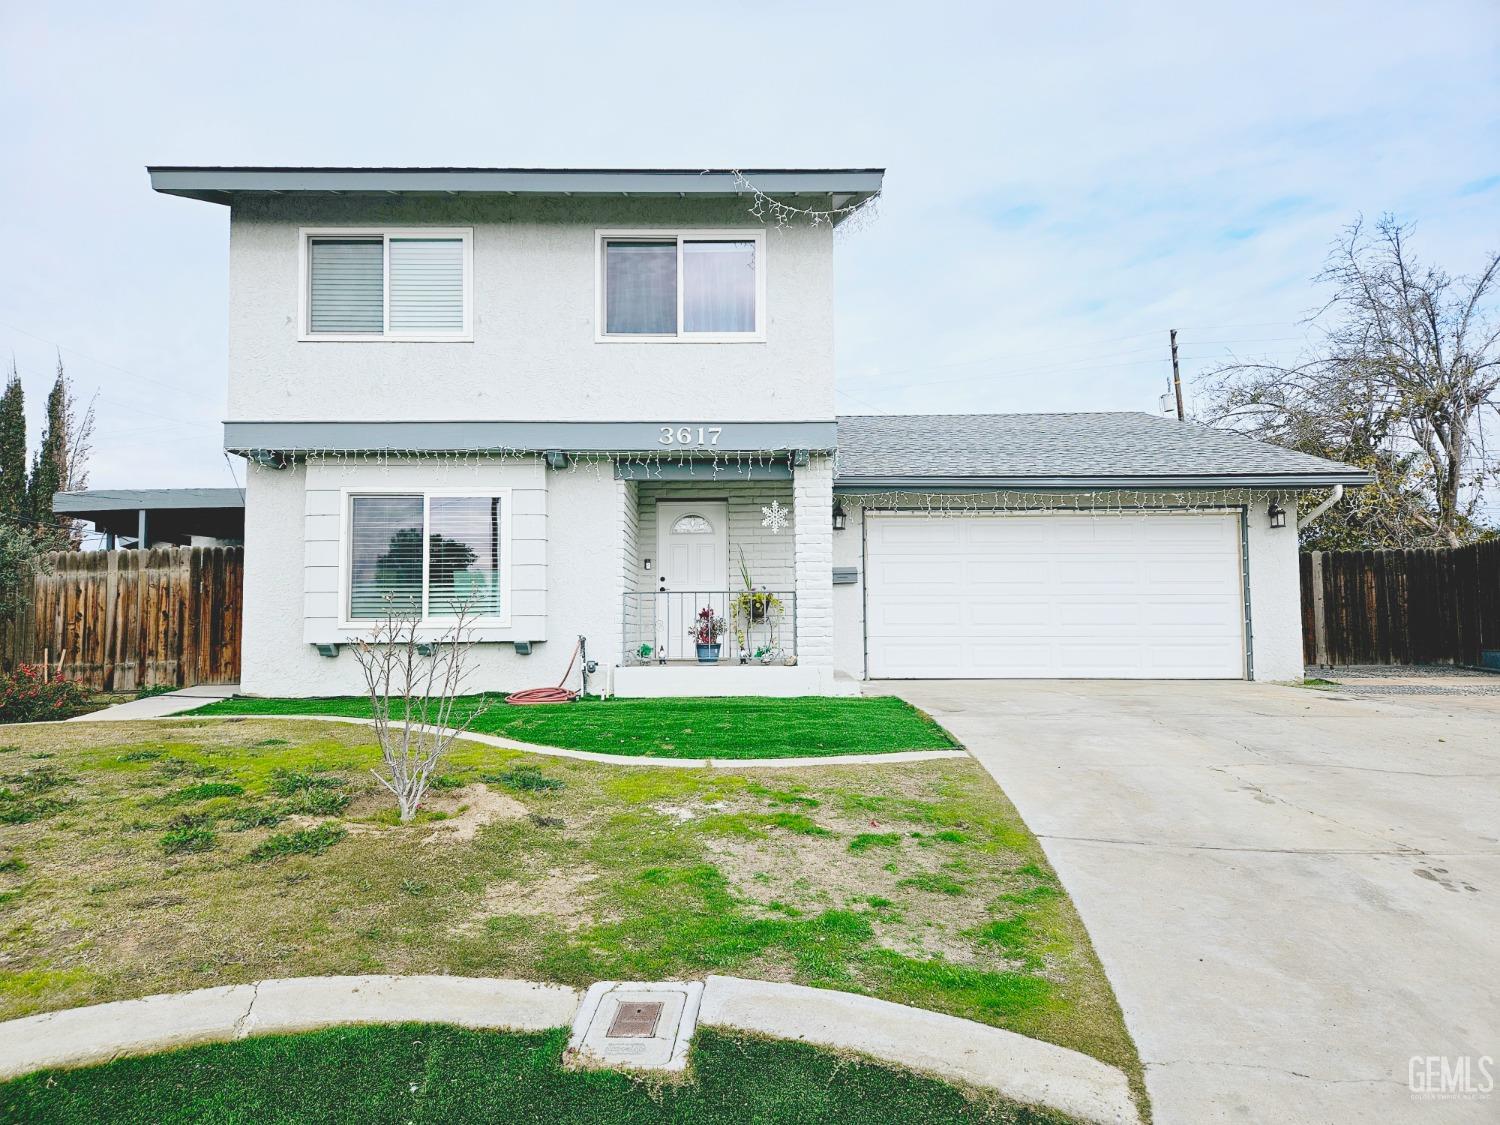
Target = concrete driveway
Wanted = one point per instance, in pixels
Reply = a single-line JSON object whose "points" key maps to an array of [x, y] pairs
{"points": [[1293, 891]]}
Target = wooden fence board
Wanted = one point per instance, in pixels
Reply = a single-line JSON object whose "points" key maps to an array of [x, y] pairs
{"points": [[121, 620], [1401, 607]]}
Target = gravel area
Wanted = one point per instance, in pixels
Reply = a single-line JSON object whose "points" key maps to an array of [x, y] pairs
{"points": [[1410, 679]]}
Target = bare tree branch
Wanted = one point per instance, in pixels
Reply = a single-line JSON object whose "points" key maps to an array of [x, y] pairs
{"points": [[1402, 383]]}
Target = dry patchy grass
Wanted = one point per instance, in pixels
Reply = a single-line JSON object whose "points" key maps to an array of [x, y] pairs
{"points": [[914, 882]]}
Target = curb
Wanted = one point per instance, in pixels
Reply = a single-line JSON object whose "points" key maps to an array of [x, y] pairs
{"points": [[1021, 1069], [102, 1032], [611, 759]]}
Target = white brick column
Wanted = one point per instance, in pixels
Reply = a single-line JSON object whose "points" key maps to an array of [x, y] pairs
{"points": [[812, 527]]}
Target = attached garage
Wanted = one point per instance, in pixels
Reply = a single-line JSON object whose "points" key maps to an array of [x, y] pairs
{"points": [[1156, 595], [1069, 546]]}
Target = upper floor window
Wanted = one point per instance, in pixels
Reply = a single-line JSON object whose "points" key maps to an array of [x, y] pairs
{"points": [[696, 286], [387, 285]]}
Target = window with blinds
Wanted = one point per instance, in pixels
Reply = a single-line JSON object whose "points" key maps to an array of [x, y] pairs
{"points": [[427, 286], [463, 569], [699, 285], [346, 280], [388, 285], [432, 556], [385, 559]]}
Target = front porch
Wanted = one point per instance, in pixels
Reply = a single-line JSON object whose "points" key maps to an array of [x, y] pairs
{"points": [[718, 579]]}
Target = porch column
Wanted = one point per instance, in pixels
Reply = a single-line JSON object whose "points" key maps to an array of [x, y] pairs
{"points": [[627, 626], [812, 526]]}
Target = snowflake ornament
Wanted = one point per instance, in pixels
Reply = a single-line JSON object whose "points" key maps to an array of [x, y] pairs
{"points": [[777, 517]]}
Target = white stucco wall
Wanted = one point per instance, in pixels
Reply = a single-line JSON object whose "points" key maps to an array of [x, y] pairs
{"points": [[1275, 591], [286, 571], [534, 356]]}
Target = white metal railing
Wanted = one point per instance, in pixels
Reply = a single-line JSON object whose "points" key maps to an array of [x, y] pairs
{"points": [[663, 626]]}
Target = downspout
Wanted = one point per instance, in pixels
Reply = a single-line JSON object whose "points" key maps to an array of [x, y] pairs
{"points": [[1333, 498]]}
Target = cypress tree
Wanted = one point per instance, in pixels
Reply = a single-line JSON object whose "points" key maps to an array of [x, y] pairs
{"points": [[49, 466], [13, 503]]}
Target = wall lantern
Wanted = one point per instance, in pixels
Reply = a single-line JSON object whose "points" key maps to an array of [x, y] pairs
{"points": [[840, 520], [1277, 514]]}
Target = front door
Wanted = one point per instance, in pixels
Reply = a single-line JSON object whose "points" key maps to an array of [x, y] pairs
{"points": [[692, 569]]}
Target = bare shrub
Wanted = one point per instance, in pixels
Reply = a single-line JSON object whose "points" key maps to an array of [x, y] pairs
{"points": [[414, 684]]}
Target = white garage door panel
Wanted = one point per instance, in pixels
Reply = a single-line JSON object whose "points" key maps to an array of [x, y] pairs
{"points": [[1055, 595]]}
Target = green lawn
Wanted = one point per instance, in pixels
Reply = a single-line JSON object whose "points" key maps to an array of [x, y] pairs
{"points": [[672, 728], [432, 1073]]}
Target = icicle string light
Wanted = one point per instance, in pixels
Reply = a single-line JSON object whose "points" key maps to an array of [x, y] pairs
{"points": [[765, 209], [1103, 502], [731, 465]]}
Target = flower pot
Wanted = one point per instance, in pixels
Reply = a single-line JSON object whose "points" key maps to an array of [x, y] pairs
{"points": [[708, 654]]}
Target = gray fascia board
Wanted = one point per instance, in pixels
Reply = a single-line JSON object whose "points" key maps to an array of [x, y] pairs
{"points": [[161, 499], [1068, 484], [569, 437], [217, 184]]}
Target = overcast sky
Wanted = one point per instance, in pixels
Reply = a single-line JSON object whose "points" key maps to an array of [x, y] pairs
{"points": [[1063, 185]]}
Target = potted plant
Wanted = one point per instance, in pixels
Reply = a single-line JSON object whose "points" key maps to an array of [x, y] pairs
{"points": [[644, 654], [706, 631]]}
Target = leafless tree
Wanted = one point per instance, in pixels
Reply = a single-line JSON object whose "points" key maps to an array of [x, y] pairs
{"points": [[1404, 381], [414, 686]]}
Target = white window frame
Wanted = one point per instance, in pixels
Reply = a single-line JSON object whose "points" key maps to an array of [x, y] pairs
{"points": [[756, 235], [305, 236], [438, 624]]}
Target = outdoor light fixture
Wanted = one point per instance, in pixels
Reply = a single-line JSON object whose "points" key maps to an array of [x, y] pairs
{"points": [[840, 520], [1277, 514]]}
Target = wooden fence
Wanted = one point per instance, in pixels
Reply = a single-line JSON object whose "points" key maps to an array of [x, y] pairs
{"points": [[121, 620], [1401, 607]]}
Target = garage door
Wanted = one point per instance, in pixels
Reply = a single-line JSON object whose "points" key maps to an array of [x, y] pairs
{"points": [[1054, 595]]}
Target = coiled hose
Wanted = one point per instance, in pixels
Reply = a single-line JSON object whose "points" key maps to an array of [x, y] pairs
{"points": [[558, 694]]}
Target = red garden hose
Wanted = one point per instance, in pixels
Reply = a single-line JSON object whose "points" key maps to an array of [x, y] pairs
{"points": [[558, 694]]}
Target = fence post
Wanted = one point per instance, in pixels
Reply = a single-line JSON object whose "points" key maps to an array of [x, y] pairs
{"points": [[1320, 619]]}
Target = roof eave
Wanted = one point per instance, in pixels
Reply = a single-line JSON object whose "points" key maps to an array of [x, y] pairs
{"points": [[893, 483], [220, 185]]}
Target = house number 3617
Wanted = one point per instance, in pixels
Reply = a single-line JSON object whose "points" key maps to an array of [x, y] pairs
{"points": [[690, 435]]}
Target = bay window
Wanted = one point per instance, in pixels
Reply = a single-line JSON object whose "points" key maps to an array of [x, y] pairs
{"points": [[430, 555], [697, 286], [409, 284]]}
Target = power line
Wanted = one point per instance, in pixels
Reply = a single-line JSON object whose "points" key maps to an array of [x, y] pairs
{"points": [[1078, 345], [92, 359]]}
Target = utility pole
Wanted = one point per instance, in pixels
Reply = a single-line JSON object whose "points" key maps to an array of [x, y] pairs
{"points": [[1176, 377]]}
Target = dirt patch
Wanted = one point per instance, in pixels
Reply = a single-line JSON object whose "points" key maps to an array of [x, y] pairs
{"points": [[473, 807], [561, 895], [811, 874]]}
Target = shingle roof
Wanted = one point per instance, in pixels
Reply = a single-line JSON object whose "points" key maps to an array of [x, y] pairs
{"points": [[1124, 449]]}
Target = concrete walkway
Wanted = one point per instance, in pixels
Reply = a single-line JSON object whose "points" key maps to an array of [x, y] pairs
{"points": [[1024, 1070], [159, 706], [1294, 892]]}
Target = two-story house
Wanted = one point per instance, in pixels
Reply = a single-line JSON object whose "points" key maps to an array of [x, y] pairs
{"points": [[601, 403]]}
